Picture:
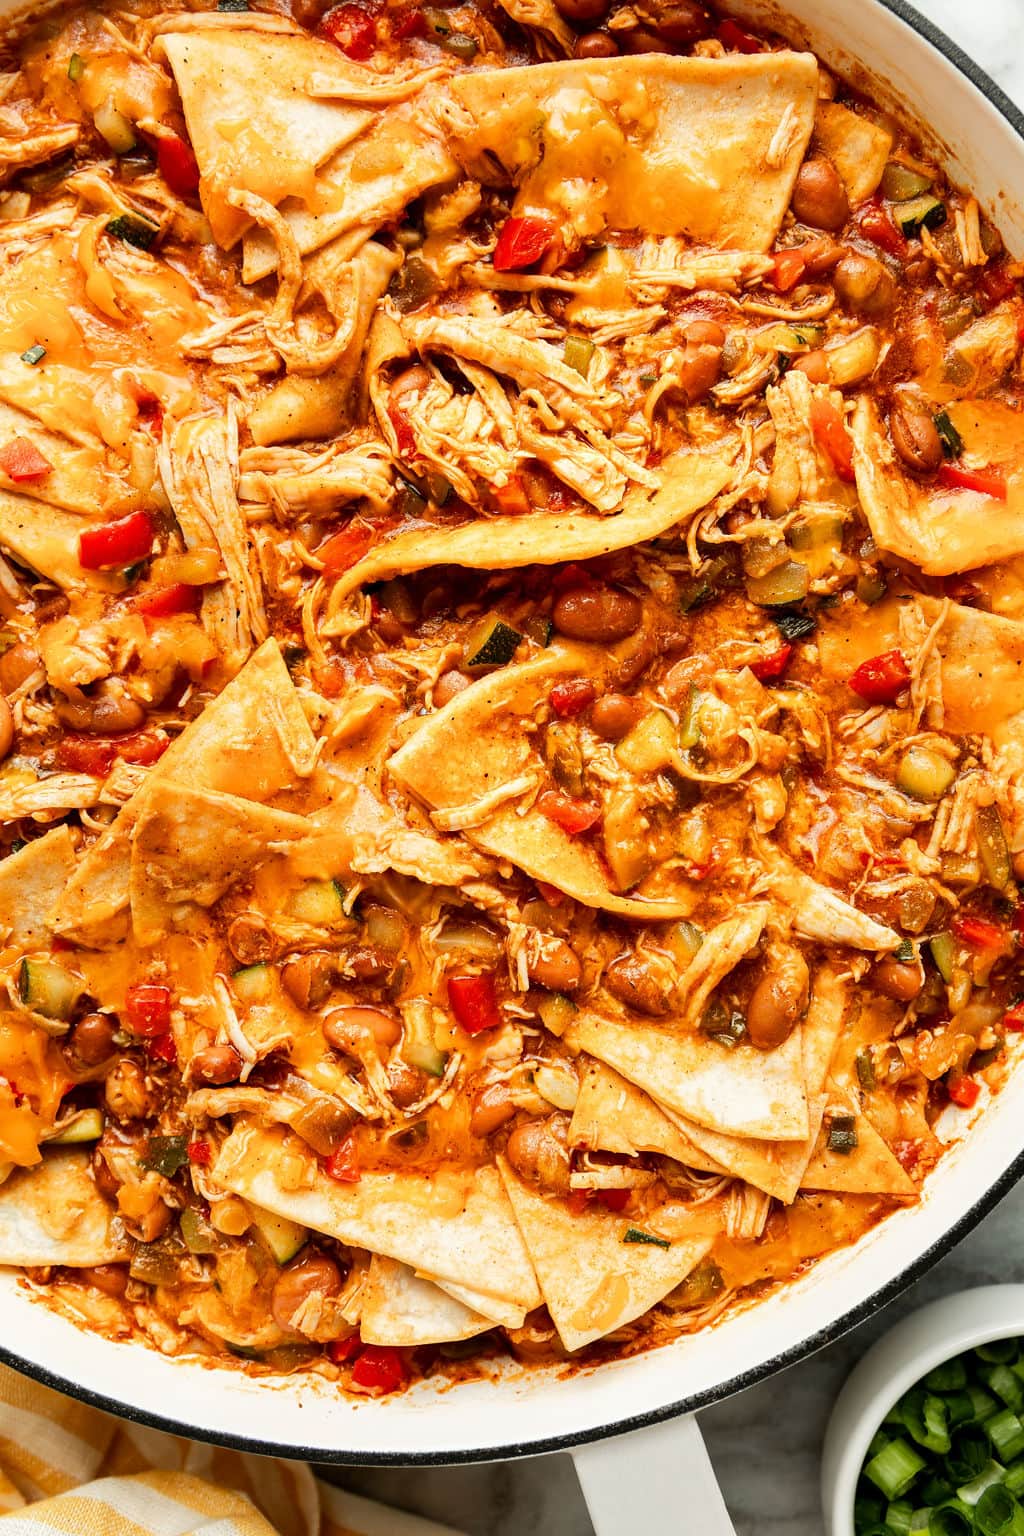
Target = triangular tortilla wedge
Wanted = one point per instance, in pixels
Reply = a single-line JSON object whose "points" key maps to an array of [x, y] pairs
{"points": [[190, 845], [740, 1092], [870, 1168], [613, 1115], [400, 1309], [54, 1214], [366, 183], [458, 1225], [276, 151], [31, 882], [708, 148], [45, 538], [357, 832], [501, 543], [981, 657], [858, 148], [435, 766], [942, 531], [593, 1281], [497, 1312], [79, 480], [252, 740]]}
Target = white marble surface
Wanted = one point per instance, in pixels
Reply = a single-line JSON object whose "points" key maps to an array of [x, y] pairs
{"points": [[767, 1459]]}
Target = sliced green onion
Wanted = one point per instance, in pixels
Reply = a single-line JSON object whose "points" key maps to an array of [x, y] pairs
{"points": [[948, 1520], [1005, 1384], [998, 1351], [971, 1492], [898, 1517], [1015, 1477], [578, 353], [951, 1375], [960, 1407], [952, 442], [33, 354], [926, 1419], [637, 1235], [933, 1489], [997, 1513], [76, 68], [1006, 1433], [895, 1468]]}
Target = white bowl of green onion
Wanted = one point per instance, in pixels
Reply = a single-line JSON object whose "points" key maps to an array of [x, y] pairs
{"points": [[927, 1436]]}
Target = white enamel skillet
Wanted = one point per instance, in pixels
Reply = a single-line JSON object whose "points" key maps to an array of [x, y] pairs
{"points": [[655, 1476]]}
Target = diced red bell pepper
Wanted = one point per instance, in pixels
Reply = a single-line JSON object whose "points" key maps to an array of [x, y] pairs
{"points": [[97, 754], [522, 242], [341, 1351], [177, 165], [953, 477], [996, 285], [831, 434], [165, 602], [164, 1048], [789, 268], [474, 1003], [1013, 1018], [731, 35], [550, 893], [343, 550], [412, 24], [200, 1154], [573, 816], [380, 1369], [151, 412], [877, 223], [148, 1010], [351, 29], [22, 462], [773, 665], [979, 933], [571, 698], [963, 1091], [403, 431], [122, 542], [614, 1199], [881, 679], [511, 498], [343, 1163]]}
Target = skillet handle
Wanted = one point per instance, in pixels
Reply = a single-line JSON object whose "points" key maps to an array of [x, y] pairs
{"points": [[659, 1481]]}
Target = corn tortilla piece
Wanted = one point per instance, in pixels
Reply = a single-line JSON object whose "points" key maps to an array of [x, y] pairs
{"points": [[31, 882], [982, 659], [592, 1280], [54, 1214], [45, 538], [709, 148], [942, 531], [436, 767], [252, 740], [613, 1115], [744, 1092], [502, 543], [366, 183], [869, 1168], [457, 1225], [275, 153], [78, 481], [498, 1312], [400, 1309], [190, 845], [858, 148]]}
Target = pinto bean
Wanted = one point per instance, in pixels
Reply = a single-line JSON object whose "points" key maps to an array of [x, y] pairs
{"points": [[126, 1091], [308, 978], [628, 979], [109, 711], [779, 1000], [613, 715], [353, 1030], [405, 1084], [819, 197], [682, 22], [603, 614], [6, 728], [250, 939], [539, 1152], [104, 1180], [596, 45], [700, 366], [864, 284], [303, 1277], [448, 685], [645, 40], [92, 1039], [215, 1065], [559, 970], [16, 665], [895, 979], [582, 10], [490, 1108], [915, 437], [111, 1279]]}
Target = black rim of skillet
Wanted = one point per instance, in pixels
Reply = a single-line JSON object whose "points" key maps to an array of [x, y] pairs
{"points": [[326, 1456]]}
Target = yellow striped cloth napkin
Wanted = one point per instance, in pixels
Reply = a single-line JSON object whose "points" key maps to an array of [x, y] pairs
{"points": [[69, 1469]]}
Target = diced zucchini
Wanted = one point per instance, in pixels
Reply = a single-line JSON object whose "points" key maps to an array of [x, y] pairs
{"points": [[943, 951], [198, 1234], [688, 734], [419, 1040], [252, 983], [284, 1238], [952, 442], [47, 988], [556, 1012], [870, 589], [789, 339], [539, 629], [787, 583], [992, 848], [650, 745], [817, 532], [900, 183], [133, 231], [493, 643], [87, 1126], [842, 1134], [319, 903], [578, 352], [926, 211], [924, 774], [76, 68], [425, 1055], [684, 939]]}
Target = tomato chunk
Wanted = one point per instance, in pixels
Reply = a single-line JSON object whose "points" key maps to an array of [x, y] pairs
{"points": [[22, 462], [963, 1091], [881, 679], [403, 431], [572, 698], [148, 1009], [979, 933], [573, 816], [351, 29], [731, 35], [831, 434], [342, 550], [953, 477], [877, 223], [474, 1003], [164, 1048], [164, 602], [1013, 1018], [343, 1164], [614, 1199], [789, 269], [97, 754], [996, 284], [177, 165], [380, 1369], [122, 542], [773, 665], [522, 242], [341, 1351]]}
